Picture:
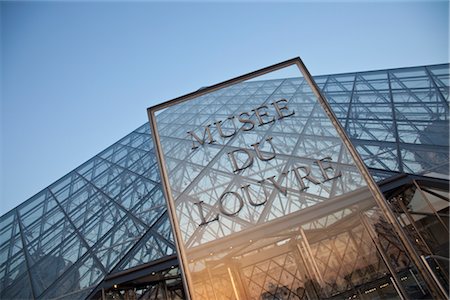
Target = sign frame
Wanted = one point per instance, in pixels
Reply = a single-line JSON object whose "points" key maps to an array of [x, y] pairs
{"points": [[373, 187]]}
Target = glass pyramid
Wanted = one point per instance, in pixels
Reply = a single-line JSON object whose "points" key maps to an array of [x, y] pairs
{"points": [[109, 215]]}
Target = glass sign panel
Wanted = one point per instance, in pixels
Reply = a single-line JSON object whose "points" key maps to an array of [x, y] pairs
{"points": [[266, 197]]}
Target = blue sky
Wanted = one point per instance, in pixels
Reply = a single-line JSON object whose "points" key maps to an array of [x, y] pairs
{"points": [[77, 76]]}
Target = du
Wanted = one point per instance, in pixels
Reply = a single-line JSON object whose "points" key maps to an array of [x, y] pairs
{"points": [[238, 165]]}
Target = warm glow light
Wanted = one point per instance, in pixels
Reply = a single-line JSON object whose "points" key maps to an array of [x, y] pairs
{"points": [[232, 282]]}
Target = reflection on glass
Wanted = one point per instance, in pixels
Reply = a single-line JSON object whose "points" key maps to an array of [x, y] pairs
{"points": [[268, 199]]}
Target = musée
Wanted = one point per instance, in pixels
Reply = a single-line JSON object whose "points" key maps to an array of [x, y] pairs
{"points": [[262, 118]]}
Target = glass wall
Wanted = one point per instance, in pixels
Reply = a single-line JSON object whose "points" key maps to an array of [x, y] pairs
{"points": [[109, 214], [105, 216], [397, 119]]}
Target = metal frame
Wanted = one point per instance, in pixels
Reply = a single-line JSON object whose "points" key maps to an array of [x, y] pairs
{"points": [[81, 218], [378, 196], [362, 100]]}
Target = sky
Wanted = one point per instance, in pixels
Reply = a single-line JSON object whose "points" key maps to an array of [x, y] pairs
{"points": [[78, 76]]}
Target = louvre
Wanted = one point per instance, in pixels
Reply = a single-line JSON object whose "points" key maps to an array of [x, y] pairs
{"points": [[277, 184], [103, 231]]}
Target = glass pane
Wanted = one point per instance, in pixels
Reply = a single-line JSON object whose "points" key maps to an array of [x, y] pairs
{"points": [[267, 196]]}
